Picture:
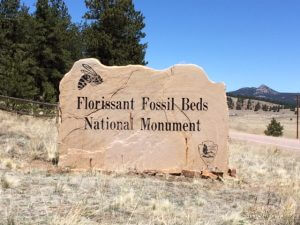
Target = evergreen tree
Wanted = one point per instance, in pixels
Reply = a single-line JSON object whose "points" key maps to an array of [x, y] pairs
{"points": [[75, 42], [274, 129], [115, 32], [276, 108], [265, 107], [16, 58], [53, 32], [257, 107], [230, 103], [249, 104], [239, 103]]}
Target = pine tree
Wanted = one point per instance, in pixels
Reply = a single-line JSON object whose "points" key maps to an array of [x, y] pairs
{"points": [[230, 103], [265, 107], [115, 32], [239, 103], [16, 59], [257, 107], [75, 42], [274, 129], [249, 104], [52, 46], [275, 108]]}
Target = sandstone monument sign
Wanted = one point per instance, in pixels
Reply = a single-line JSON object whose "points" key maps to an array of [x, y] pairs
{"points": [[136, 118]]}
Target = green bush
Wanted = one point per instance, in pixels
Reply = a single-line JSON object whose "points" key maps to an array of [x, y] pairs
{"points": [[257, 107], [274, 129]]}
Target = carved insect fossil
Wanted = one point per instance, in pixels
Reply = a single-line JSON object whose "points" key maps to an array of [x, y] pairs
{"points": [[89, 77]]}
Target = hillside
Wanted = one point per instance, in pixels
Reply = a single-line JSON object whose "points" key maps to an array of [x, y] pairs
{"points": [[250, 104], [264, 92]]}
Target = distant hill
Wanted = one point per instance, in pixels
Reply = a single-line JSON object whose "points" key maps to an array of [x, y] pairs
{"points": [[265, 93]]}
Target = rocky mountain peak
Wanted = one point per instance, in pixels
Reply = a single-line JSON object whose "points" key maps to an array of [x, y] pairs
{"points": [[265, 93], [264, 89]]}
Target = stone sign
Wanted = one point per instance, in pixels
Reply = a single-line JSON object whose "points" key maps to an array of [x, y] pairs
{"points": [[136, 118]]}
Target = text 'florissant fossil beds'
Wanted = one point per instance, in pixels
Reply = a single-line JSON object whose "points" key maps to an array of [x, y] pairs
{"points": [[136, 118]]}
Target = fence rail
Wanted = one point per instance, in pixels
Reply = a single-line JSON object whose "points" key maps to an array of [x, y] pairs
{"points": [[28, 107]]}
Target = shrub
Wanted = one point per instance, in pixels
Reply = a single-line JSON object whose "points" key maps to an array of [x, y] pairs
{"points": [[257, 107], [265, 108], [230, 103], [4, 182], [274, 129], [239, 103], [249, 104]]}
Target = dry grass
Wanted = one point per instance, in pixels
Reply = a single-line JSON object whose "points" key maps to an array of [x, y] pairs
{"points": [[274, 175], [266, 191], [256, 122], [24, 138], [73, 217]]}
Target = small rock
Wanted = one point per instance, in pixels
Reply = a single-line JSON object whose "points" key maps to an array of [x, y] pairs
{"points": [[218, 173], [232, 172], [191, 173], [150, 172], [205, 174]]}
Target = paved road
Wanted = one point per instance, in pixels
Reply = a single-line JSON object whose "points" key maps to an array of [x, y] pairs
{"points": [[280, 142]]}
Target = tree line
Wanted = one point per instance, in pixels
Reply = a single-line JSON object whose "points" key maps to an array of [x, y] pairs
{"points": [[285, 104], [241, 103], [38, 48]]}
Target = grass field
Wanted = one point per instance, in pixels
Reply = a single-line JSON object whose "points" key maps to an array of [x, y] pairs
{"points": [[265, 192], [256, 122]]}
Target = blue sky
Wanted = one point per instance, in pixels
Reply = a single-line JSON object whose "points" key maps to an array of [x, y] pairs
{"points": [[238, 42]]}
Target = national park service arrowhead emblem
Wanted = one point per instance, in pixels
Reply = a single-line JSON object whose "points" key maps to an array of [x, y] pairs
{"points": [[208, 151]]}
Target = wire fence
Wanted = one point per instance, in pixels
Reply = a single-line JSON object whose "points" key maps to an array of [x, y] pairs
{"points": [[28, 107]]}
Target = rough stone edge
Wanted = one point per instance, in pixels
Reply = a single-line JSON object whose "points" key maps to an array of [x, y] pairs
{"points": [[199, 68]]}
